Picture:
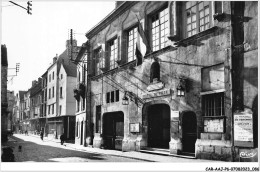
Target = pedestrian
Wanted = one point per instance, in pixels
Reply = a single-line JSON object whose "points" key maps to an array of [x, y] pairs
{"points": [[62, 139], [41, 134]]}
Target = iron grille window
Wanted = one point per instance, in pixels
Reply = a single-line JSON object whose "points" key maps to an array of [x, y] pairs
{"points": [[160, 25], [213, 104], [132, 38], [113, 53], [197, 16]]}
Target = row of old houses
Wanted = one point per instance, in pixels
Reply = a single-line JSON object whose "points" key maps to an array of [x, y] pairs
{"points": [[171, 76]]}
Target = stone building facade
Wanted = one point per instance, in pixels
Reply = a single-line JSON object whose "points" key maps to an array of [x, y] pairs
{"points": [[181, 97]]}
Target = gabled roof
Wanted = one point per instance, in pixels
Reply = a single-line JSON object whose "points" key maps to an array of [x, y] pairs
{"points": [[71, 69]]}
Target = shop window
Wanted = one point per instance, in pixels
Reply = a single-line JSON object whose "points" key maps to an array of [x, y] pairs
{"points": [[132, 38], [198, 16], [213, 105], [113, 50], [160, 29]]}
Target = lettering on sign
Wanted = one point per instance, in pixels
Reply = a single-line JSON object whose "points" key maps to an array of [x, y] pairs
{"points": [[157, 94], [247, 155], [175, 115], [134, 127], [243, 127]]}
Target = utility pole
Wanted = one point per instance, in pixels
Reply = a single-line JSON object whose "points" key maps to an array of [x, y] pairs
{"points": [[29, 8]]}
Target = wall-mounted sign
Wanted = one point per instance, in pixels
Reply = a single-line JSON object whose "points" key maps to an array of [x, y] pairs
{"points": [[155, 86], [157, 94], [175, 115], [243, 128], [134, 127], [214, 125]]}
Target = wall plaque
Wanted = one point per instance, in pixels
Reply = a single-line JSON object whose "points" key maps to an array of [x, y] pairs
{"points": [[134, 127], [157, 94], [243, 129]]}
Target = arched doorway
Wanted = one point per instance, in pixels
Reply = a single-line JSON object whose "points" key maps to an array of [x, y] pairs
{"points": [[113, 130], [189, 132], [158, 126]]}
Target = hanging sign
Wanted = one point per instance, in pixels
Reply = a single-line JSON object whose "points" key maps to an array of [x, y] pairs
{"points": [[243, 128]]}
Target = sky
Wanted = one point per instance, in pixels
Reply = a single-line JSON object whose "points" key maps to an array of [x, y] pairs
{"points": [[33, 40]]}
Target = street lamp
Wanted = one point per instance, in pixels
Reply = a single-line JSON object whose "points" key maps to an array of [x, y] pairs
{"points": [[125, 100]]}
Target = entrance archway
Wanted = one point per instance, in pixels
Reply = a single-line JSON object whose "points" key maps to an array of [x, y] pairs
{"points": [[189, 131], [158, 126], [113, 130]]}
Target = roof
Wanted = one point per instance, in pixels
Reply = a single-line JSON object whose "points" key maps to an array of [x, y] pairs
{"points": [[36, 89], [109, 18], [4, 61], [71, 69], [21, 95]]}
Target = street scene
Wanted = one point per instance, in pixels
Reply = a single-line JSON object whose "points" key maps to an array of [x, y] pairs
{"points": [[130, 81], [33, 149]]}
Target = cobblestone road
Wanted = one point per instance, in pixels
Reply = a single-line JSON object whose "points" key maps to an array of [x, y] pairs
{"points": [[36, 150]]}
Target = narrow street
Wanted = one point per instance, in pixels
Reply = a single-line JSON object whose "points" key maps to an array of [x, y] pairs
{"points": [[36, 150]]}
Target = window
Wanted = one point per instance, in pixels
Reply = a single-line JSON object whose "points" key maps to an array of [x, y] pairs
{"points": [[113, 53], [98, 119], [52, 91], [49, 93], [108, 97], [49, 109], [113, 96], [52, 108], [78, 106], [197, 16], [117, 95], [60, 109], [60, 92], [61, 76], [213, 104], [77, 125], [132, 38], [79, 77], [52, 75], [83, 105], [49, 77], [100, 60], [160, 29]]}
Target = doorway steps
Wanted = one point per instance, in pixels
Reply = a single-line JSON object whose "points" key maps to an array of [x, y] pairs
{"points": [[166, 152]]}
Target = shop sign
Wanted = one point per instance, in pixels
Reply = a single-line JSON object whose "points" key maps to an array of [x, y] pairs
{"points": [[134, 127], [243, 127], [157, 94]]}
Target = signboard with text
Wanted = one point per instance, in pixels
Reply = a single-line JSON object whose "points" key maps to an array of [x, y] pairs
{"points": [[243, 129]]}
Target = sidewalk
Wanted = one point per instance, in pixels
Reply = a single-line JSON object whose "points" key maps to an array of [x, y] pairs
{"points": [[133, 154]]}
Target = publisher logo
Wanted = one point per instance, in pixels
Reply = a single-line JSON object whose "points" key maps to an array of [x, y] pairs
{"points": [[247, 155]]}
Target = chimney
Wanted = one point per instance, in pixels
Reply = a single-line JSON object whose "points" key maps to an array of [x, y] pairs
{"points": [[55, 58], [68, 43], [39, 80], [33, 83]]}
